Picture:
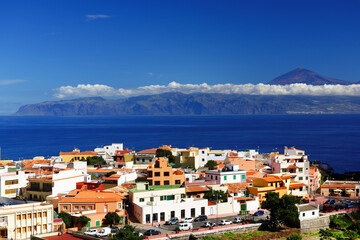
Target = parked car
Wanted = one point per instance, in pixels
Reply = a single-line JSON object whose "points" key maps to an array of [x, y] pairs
{"points": [[259, 213], [91, 232], [328, 208], [152, 232], [330, 201], [172, 221], [114, 229], [225, 222], [339, 206], [200, 218], [208, 224], [104, 232], [237, 220], [349, 205], [185, 226], [187, 220]]}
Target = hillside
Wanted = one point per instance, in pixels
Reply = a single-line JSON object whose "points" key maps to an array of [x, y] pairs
{"points": [[195, 104]]}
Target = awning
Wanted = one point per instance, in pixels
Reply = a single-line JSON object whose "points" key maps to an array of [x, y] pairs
{"points": [[337, 190]]}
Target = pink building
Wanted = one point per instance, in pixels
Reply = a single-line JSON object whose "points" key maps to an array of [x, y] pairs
{"points": [[314, 179]]}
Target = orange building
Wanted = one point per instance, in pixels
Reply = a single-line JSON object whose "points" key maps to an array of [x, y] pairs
{"points": [[93, 204], [160, 173]]}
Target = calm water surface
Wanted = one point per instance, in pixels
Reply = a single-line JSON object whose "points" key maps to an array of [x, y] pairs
{"points": [[329, 138]]}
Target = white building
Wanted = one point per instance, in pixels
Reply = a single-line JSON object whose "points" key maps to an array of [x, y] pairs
{"points": [[121, 177], [161, 203], [107, 152], [294, 162], [12, 182], [19, 220], [229, 174], [249, 154], [308, 211], [205, 155]]}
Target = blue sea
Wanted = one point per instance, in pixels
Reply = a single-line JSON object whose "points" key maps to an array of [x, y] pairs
{"points": [[333, 139]]}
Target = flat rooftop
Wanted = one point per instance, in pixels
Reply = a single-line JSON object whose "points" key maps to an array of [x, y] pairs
{"points": [[155, 188]]}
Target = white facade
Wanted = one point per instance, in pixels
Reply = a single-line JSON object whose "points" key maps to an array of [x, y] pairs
{"points": [[12, 182], [19, 220], [126, 177], [107, 152], [162, 205], [297, 165], [229, 174], [251, 154], [308, 211]]}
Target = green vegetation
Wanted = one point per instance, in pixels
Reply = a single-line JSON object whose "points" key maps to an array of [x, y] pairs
{"points": [[283, 211], [83, 220], [165, 153], [294, 236], [95, 160], [211, 164], [343, 227], [128, 232], [111, 218], [110, 173], [66, 217], [214, 195], [237, 236]]}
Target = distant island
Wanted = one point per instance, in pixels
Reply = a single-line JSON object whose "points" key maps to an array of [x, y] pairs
{"points": [[176, 103]]}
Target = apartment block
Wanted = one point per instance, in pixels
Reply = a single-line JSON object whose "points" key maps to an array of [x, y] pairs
{"points": [[161, 173]]}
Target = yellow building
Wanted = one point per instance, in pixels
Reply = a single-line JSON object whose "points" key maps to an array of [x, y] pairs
{"points": [[188, 159], [76, 155], [261, 186]]}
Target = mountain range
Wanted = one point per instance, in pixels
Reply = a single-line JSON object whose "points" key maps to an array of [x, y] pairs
{"points": [[208, 103]]}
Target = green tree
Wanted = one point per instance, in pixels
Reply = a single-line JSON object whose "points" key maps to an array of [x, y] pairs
{"points": [[111, 218], [165, 153], [128, 232], [83, 220], [283, 211], [110, 173], [211, 164], [214, 195], [67, 219], [95, 160]]}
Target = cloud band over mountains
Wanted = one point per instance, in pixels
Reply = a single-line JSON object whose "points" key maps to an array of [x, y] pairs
{"points": [[89, 90]]}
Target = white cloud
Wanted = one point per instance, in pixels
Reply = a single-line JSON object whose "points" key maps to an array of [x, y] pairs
{"points": [[96, 16], [88, 90], [10, 82]]}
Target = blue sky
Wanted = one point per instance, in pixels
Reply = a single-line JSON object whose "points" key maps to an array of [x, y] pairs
{"points": [[45, 45]]}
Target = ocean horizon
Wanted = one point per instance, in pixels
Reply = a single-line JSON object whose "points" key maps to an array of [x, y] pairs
{"points": [[332, 139]]}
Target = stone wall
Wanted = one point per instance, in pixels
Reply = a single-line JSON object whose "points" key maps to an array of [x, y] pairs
{"points": [[312, 225]]}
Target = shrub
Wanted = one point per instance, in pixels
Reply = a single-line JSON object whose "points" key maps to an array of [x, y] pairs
{"points": [[294, 236]]}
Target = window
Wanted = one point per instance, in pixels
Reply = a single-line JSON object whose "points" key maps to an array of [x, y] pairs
{"points": [[157, 182], [29, 216], [141, 200], [39, 215], [193, 212], [29, 229], [157, 174], [119, 205], [187, 179], [303, 214], [300, 178], [300, 169], [90, 207], [166, 183], [182, 195], [166, 174], [182, 213], [162, 216], [24, 216], [283, 170], [170, 197], [234, 177], [313, 213], [18, 230], [10, 191], [151, 199], [177, 182], [211, 176], [44, 227], [24, 229], [18, 217], [243, 176], [76, 207], [97, 223], [65, 208], [203, 159], [202, 210], [44, 214], [215, 177], [172, 214], [82, 207], [11, 182], [162, 198]]}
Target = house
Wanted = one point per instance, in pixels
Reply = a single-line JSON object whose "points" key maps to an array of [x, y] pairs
{"points": [[161, 173], [294, 162], [20, 220], [76, 155], [93, 204], [119, 178], [188, 158], [229, 174], [308, 211], [206, 154], [341, 189], [107, 152], [12, 182], [49, 181], [314, 179], [145, 157], [261, 186], [122, 158], [153, 204]]}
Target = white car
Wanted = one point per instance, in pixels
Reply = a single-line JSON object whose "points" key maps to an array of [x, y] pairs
{"points": [[104, 232], [208, 224], [185, 226], [225, 222], [187, 220], [91, 232], [237, 220]]}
